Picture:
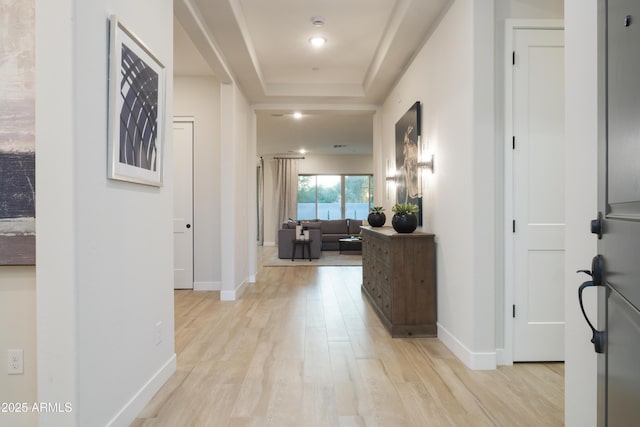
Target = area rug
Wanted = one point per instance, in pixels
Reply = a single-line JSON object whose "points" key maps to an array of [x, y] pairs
{"points": [[327, 258]]}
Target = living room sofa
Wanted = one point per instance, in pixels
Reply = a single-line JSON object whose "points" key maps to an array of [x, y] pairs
{"points": [[325, 235]]}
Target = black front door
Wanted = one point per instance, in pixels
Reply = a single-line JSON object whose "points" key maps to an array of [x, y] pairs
{"points": [[619, 245]]}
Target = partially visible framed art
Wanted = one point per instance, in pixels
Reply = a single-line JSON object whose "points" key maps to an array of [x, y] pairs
{"points": [[17, 133], [136, 109], [407, 146]]}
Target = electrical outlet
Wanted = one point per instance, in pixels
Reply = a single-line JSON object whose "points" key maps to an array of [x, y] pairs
{"points": [[157, 333], [15, 360]]}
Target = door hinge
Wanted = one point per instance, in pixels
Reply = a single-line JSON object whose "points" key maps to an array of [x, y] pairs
{"points": [[513, 225], [514, 311], [513, 142], [513, 58]]}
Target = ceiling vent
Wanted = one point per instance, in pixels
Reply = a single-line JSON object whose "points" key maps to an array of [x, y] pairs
{"points": [[318, 21], [339, 145]]}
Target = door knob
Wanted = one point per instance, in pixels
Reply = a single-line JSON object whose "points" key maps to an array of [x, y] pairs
{"points": [[188, 225], [597, 337]]}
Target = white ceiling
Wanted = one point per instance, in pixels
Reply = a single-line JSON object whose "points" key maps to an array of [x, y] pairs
{"points": [[337, 87], [317, 131]]}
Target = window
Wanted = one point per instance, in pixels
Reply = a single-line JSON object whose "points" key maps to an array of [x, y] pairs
{"points": [[334, 196], [358, 195]]}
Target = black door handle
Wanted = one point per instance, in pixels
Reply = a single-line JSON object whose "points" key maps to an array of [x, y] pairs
{"points": [[597, 265], [597, 337], [188, 225]]}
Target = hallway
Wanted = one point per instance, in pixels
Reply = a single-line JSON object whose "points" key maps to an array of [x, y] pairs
{"points": [[302, 347]]}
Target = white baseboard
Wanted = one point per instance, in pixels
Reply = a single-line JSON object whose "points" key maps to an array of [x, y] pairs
{"points": [[475, 361], [206, 286], [243, 287], [137, 403], [234, 294], [502, 358], [227, 295]]}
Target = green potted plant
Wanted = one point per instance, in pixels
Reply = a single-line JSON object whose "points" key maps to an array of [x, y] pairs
{"points": [[404, 219], [376, 217]]}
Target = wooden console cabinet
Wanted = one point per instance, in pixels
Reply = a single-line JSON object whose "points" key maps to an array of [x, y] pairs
{"points": [[398, 277]]}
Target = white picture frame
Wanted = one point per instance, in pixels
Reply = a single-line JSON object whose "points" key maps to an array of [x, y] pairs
{"points": [[136, 109]]}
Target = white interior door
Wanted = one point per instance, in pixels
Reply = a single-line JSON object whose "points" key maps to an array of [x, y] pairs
{"points": [[183, 205], [538, 194]]}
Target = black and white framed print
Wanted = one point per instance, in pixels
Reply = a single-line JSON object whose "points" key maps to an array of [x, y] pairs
{"points": [[136, 109], [407, 146]]}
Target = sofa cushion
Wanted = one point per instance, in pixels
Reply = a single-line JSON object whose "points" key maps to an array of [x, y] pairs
{"points": [[311, 225], [354, 226], [291, 225], [333, 237], [334, 226]]}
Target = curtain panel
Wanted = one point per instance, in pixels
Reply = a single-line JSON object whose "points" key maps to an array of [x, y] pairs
{"points": [[286, 191], [260, 204]]}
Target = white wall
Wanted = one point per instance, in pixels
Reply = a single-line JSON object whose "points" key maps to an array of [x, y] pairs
{"points": [[244, 176], [453, 78], [312, 164], [18, 331], [237, 193], [199, 97], [104, 248], [330, 164], [55, 237], [581, 97]]}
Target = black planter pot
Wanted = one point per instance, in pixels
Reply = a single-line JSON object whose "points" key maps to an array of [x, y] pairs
{"points": [[404, 223], [376, 219]]}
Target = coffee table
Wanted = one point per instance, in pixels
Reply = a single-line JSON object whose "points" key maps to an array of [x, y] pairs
{"points": [[350, 245]]}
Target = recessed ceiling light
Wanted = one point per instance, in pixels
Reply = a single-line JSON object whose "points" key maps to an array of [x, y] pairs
{"points": [[302, 151], [297, 115], [318, 21], [317, 41]]}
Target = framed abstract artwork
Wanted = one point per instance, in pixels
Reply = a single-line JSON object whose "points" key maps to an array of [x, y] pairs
{"points": [[17, 133], [407, 147], [136, 109]]}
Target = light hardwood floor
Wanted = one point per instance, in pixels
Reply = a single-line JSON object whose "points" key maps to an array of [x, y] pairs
{"points": [[303, 348]]}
